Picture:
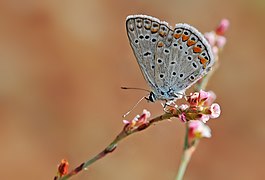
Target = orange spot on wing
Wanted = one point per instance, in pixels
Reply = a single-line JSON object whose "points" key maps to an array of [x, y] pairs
{"points": [[177, 36], [154, 30], [197, 49], [203, 61], [185, 38], [190, 42], [162, 33], [160, 44]]}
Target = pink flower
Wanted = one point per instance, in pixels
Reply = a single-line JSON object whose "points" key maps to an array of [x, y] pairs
{"points": [[193, 99], [197, 129], [203, 117], [139, 122], [223, 26], [220, 42], [210, 98], [210, 36], [215, 110], [183, 107], [202, 98], [182, 117], [200, 107]]}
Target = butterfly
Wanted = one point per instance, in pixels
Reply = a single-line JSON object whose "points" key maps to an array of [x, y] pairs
{"points": [[171, 60]]}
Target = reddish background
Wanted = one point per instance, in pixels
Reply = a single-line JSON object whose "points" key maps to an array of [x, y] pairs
{"points": [[62, 63]]}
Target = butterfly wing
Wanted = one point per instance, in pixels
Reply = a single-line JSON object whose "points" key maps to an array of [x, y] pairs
{"points": [[190, 57], [144, 35], [170, 60]]}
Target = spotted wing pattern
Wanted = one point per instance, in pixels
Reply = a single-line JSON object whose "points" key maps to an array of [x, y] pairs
{"points": [[170, 60]]}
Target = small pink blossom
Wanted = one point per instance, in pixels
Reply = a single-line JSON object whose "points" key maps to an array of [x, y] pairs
{"points": [[203, 117], [203, 96], [211, 37], [182, 117], [139, 122], [183, 107], [215, 110], [220, 42], [215, 50], [193, 99], [197, 129], [223, 26], [211, 96]]}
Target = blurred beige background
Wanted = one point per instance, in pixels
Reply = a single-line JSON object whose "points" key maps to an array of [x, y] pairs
{"points": [[61, 67]]}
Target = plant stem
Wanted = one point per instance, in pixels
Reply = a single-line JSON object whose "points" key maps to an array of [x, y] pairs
{"points": [[112, 146], [186, 156]]}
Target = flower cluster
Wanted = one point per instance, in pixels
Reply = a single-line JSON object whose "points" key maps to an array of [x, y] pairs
{"points": [[216, 38], [202, 104], [140, 122], [197, 112], [201, 107]]}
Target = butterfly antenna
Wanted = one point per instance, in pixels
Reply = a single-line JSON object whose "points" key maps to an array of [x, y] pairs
{"points": [[136, 89], [133, 107]]}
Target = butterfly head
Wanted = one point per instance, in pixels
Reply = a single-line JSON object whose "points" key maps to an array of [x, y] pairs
{"points": [[152, 97]]}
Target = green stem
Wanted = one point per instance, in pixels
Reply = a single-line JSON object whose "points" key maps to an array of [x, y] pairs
{"points": [[186, 156]]}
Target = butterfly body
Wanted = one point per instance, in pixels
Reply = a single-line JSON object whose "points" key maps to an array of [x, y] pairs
{"points": [[171, 60]]}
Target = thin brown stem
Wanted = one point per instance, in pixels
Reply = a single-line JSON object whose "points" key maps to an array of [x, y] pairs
{"points": [[112, 146]]}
